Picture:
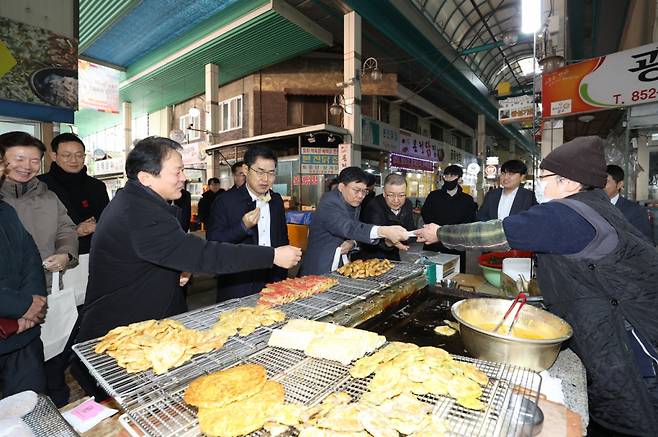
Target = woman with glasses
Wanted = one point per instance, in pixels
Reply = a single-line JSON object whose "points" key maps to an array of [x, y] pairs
{"points": [[389, 208]]}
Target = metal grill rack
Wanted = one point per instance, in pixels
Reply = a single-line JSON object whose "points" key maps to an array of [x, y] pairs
{"points": [[46, 421], [308, 380], [400, 272], [129, 389]]}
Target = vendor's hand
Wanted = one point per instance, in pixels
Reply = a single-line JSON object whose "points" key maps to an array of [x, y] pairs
{"points": [[36, 313], [86, 227], [393, 233], [56, 263], [24, 325], [346, 246], [287, 256], [250, 219], [184, 278], [429, 234]]}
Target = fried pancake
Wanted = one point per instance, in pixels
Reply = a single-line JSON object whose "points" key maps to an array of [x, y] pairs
{"points": [[244, 416], [226, 386]]}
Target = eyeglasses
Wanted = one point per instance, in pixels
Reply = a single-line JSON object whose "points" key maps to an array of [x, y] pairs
{"points": [[263, 173], [69, 156], [392, 196], [540, 177], [359, 191]]}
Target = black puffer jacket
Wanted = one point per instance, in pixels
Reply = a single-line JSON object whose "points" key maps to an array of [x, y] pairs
{"points": [[21, 275], [612, 280]]}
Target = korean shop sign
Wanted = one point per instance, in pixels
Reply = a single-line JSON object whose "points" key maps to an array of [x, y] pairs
{"points": [[621, 79], [319, 160]]}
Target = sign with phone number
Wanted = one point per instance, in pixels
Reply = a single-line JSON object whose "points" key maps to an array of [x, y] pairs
{"points": [[621, 79]]}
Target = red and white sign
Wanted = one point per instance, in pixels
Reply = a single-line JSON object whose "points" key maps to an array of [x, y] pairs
{"points": [[621, 79], [98, 87], [306, 180], [408, 163]]}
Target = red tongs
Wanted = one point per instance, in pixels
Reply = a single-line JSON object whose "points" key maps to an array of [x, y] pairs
{"points": [[522, 298]]}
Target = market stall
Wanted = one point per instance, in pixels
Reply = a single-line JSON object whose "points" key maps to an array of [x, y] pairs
{"points": [[154, 405]]}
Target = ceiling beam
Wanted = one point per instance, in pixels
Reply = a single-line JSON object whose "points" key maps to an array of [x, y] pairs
{"points": [[421, 103]]}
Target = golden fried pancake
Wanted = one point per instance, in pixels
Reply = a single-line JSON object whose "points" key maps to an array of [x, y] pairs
{"points": [[244, 416], [226, 386]]}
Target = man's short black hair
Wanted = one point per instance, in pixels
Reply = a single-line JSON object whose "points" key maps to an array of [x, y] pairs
{"points": [[16, 138], [236, 166], [454, 170], [371, 180], [213, 181], [65, 138], [353, 174], [148, 156], [616, 172], [514, 166], [258, 151]]}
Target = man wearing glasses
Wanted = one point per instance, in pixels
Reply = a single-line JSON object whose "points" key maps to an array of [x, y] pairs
{"points": [[510, 198], [596, 271], [336, 227], [390, 208], [250, 214]]}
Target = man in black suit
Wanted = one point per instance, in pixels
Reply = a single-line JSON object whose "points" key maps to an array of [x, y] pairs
{"points": [[390, 208], [510, 198], [239, 175], [336, 224], [449, 206], [634, 213], [250, 214]]}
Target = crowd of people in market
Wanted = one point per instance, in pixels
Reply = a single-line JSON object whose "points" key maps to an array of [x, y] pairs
{"points": [[130, 258]]}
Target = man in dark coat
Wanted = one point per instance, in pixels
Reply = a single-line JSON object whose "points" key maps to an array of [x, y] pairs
{"points": [[449, 206], [239, 175], [84, 197], [634, 213], [139, 249], [510, 198], [184, 204], [390, 208], [246, 216], [207, 199], [22, 303], [596, 271], [335, 227]]}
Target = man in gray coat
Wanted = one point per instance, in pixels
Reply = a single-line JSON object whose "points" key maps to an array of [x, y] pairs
{"points": [[336, 224]]}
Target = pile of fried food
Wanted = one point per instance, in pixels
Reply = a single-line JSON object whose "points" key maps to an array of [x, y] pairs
{"points": [[360, 269], [292, 289], [235, 401], [326, 340], [401, 368], [241, 400], [167, 344]]}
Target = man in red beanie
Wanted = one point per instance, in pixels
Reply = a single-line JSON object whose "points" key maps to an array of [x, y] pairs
{"points": [[596, 271]]}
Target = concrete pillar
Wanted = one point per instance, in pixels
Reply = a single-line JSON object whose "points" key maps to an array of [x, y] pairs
{"points": [[211, 111], [47, 134], [352, 76], [552, 136], [394, 114], [642, 181], [127, 121], [481, 137]]}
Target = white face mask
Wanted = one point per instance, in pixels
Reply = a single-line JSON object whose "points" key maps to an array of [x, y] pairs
{"points": [[540, 190]]}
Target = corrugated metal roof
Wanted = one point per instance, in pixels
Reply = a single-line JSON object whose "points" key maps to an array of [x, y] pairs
{"points": [[262, 41], [97, 16]]}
